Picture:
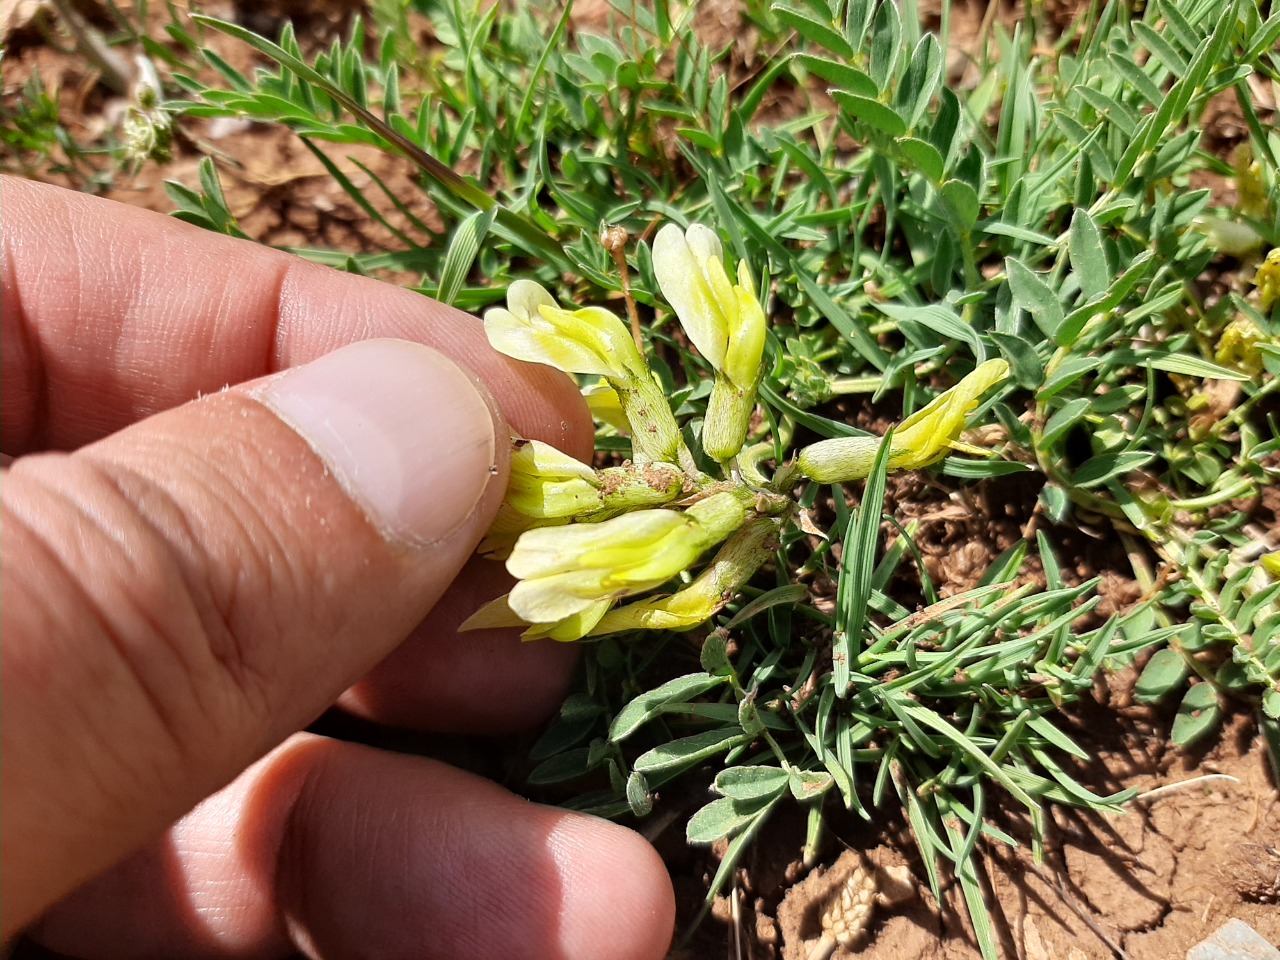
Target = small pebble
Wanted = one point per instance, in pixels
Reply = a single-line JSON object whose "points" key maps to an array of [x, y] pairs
{"points": [[1234, 940]]}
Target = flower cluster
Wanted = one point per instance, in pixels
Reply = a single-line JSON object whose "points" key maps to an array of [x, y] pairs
{"points": [[585, 543], [1267, 280]]}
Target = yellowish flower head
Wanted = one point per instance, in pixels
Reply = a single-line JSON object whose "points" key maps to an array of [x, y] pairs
{"points": [[564, 570], [1238, 346], [1267, 280], [926, 436], [534, 327], [724, 320], [1251, 188]]}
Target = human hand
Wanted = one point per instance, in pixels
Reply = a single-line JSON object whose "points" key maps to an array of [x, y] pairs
{"points": [[196, 581]]}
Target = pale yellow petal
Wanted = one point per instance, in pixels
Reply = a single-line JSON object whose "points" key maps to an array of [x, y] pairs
{"points": [[542, 343], [541, 498], [551, 599], [724, 300], [603, 334], [704, 243], [605, 406], [571, 628], [495, 614], [927, 435], [540, 459], [746, 342], [734, 565], [526, 298], [682, 279], [546, 551]]}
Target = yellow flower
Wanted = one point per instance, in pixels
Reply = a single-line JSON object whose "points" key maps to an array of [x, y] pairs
{"points": [[590, 340], [548, 484], [1267, 280], [734, 565], [534, 327], [725, 322], [927, 435], [606, 406], [1251, 188], [1238, 346], [498, 614], [564, 570]]}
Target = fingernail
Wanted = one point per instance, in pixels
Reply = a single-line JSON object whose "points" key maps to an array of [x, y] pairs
{"points": [[403, 429]]}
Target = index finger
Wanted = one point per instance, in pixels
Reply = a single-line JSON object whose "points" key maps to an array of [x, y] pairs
{"points": [[109, 314]]}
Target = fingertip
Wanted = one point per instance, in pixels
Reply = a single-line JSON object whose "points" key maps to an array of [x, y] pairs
{"points": [[349, 851], [572, 430], [617, 896], [447, 865]]}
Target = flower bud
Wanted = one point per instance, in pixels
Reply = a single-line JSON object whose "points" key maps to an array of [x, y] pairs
{"points": [[546, 483], [926, 436], [733, 567]]}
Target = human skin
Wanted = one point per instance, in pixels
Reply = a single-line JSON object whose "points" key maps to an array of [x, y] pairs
{"points": [[193, 572]]}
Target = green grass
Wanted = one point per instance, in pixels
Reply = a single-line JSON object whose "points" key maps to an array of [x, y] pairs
{"points": [[907, 231]]}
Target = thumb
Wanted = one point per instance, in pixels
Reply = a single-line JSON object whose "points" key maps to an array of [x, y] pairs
{"points": [[184, 594]]}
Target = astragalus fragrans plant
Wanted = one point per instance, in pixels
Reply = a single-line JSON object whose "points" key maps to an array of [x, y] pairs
{"points": [[582, 542]]}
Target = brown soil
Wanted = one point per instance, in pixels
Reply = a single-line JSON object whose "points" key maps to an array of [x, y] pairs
{"points": [[1200, 846]]}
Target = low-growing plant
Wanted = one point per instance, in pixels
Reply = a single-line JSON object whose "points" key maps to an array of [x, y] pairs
{"points": [[1017, 262]]}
